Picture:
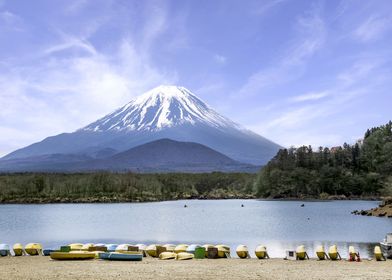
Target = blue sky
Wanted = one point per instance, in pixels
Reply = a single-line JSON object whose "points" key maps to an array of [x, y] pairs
{"points": [[297, 72]]}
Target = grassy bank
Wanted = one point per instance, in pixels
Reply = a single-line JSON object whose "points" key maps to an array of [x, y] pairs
{"points": [[122, 187]]}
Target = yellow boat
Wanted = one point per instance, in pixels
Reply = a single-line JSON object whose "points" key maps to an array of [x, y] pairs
{"points": [[378, 254], [167, 256], [180, 248], [206, 247], [76, 246], [73, 255], [33, 249], [261, 252], [123, 248], [184, 256], [353, 255], [154, 250], [320, 252], [169, 247], [242, 251], [85, 247], [301, 253], [18, 249], [223, 251], [333, 253]]}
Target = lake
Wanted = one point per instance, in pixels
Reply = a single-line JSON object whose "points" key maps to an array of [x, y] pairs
{"points": [[280, 225]]}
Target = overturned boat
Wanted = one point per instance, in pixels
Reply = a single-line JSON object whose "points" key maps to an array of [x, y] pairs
{"points": [[386, 246]]}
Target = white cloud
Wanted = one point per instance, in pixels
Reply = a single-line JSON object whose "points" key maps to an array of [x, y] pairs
{"points": [[373, 28]]}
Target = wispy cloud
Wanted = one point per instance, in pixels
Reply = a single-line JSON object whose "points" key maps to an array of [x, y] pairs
{"points": [[220, 59], [265, 6], [373, 28], [312, 96], [10, 21], [310, 36]]}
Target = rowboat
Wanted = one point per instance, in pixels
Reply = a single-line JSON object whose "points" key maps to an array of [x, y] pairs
{"points": [[180, 248], [122, 247], [320, 252], [206, 247], [301, 253], [333, 253], [142, 248], [261, 252], [191, 248], [33, 249], [386, 246], [46, 252], [115, 256], [73, 255], [167, 256], [242, 251], [86, 247], [223, 251], [184, 256], [154, 250], [353, 254], [111, 247], [4, 250], [76, 246], [18, 249], [378, 254], [169, 247]]}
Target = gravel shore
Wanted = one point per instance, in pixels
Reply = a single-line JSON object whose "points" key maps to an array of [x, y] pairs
{"points": [[45, 268]]}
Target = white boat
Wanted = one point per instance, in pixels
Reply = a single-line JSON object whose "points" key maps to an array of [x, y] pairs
{"points": [[386, 246]]}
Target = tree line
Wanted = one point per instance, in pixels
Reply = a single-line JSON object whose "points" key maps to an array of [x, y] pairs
{"points": [[359, 170], [121, 187]]}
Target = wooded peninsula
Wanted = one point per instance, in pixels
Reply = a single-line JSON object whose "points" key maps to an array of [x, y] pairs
{"points": [[362, 170]]}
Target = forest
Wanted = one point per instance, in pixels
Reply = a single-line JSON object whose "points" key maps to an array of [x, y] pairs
{"points": [[122, 187], [360, 170]]}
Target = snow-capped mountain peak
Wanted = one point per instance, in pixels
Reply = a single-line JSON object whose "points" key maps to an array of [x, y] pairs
{"points": [[159, 108]]}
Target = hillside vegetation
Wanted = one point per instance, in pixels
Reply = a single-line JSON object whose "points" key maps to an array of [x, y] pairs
{"points": [[360, 170], [122, 187]]}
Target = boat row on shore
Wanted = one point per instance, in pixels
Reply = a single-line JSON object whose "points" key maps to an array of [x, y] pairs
{"points": [[128, 252]]}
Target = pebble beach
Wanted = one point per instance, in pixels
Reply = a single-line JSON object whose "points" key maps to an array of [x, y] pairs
{"points": [[39, 267]]}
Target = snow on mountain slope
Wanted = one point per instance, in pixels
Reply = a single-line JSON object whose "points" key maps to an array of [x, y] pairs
{"points": [[161, 107]]}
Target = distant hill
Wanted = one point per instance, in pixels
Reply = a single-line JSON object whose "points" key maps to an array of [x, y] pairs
{"points": [[162, 155]]}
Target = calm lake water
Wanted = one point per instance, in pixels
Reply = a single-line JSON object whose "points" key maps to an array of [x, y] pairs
{"points": [[280, 225]]}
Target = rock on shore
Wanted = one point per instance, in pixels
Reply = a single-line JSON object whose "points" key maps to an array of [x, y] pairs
{"points": [[384, 210]]}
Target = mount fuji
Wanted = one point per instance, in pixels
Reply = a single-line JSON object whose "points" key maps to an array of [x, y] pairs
{"points": [[165, 112]]}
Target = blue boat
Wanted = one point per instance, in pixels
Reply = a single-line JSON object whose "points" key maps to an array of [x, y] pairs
{"points": [[121, 256], [111, 247], [4, 250], [191, 248], [46, 252]]}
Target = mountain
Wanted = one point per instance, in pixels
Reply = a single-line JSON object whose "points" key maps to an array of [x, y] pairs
{"points": [[162, 155], [163, 112]]}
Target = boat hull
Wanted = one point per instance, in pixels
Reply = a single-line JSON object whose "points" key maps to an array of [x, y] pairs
{"points": [[33, 249], [114, 256], [18, 249], [75, 255], [386, 249]]}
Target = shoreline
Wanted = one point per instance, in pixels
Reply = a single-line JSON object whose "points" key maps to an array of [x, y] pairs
{"points": [[28, 267], [106, 200]]}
